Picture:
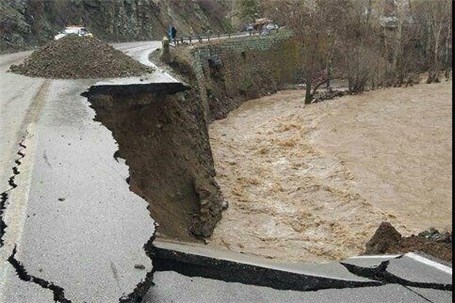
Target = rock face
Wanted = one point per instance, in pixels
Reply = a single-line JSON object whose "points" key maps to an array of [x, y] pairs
{"points": [[26, 23]]}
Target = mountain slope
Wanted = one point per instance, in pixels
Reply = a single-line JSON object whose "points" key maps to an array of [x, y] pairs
{"points": [[26, 23]]}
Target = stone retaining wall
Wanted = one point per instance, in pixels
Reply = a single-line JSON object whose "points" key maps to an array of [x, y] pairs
{"points": [[233, 71]]}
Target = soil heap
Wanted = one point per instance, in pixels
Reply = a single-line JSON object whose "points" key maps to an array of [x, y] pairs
{"points": [[387, 240], [74, 57]]}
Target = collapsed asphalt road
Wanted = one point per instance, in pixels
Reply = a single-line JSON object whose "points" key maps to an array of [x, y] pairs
{"points": [[71, 229], [204, 274]]}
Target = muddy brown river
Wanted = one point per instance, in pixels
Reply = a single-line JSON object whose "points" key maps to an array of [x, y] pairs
{"points": [[312, 183]]}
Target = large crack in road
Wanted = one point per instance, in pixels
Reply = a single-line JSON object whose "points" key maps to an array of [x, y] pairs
{"points": [[5, 195], [142, 288], [232, 267], [192, 265], [31, 116], [59, 293], [380, 273]]}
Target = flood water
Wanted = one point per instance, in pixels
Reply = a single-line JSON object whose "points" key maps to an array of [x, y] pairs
{"points": [[312, 183]]}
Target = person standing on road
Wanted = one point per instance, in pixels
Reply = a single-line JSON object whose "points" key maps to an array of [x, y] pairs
{"points": [[250, 28], [172, 34]]}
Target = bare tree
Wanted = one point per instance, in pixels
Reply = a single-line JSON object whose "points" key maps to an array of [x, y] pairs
{"points": [[371, 43], [435, 20], [355, 45], [312, 37]]}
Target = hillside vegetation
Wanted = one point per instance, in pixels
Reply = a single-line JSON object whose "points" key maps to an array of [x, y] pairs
{"points": [[27, 23]]}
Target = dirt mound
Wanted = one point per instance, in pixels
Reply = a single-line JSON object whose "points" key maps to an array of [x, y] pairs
{"points": [[74, 57], [387, 240], [385, 237]]}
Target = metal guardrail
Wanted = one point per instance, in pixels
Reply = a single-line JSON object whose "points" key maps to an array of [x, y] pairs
{"points": [[216, 37]]}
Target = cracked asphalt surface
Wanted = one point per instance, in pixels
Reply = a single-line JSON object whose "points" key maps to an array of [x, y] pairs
{"points": [[75, 233], [393, 278], [206, 290]]}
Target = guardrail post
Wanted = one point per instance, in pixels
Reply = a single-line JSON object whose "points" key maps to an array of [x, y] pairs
{"points": [[189, 39], [181, 40], [200, 39], [208, 37]]}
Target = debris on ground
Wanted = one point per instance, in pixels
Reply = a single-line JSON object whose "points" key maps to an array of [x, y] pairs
{"points": [[387, 240], [328, 95], [434, 235], [74, 57]]}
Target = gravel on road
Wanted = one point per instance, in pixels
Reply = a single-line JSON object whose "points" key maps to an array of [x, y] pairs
{"points": [[74, 57]]}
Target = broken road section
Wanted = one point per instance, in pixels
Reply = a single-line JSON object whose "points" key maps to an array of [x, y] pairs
{"points": [[84, 230], [207, 275]]}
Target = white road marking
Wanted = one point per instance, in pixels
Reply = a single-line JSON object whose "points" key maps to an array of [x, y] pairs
{"points": [[431, 263], [376, 257]]}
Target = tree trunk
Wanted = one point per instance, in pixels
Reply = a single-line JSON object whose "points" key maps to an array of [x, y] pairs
{"points": [[447, 59], [319, 84], [308, 95], [329, 75]]}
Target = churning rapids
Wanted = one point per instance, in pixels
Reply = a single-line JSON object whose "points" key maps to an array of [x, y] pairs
{"points": [[312, 183]]}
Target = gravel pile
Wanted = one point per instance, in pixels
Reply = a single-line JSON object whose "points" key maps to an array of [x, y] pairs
{"points": [[74, 57]]}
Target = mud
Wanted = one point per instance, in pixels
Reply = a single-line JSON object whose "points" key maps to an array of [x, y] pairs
{"points": [[164, 139], [387, 240], [313, 183]]}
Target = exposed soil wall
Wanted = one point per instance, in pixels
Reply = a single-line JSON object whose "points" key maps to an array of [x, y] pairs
{"points": [[164, 139]]}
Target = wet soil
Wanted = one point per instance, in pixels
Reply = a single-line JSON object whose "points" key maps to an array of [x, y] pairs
{"points": [[74, 57], [387, 240], [313, 183], [164, 140]]}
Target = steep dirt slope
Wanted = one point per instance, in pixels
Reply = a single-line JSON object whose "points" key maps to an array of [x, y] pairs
{"points": [[164, 139]]}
